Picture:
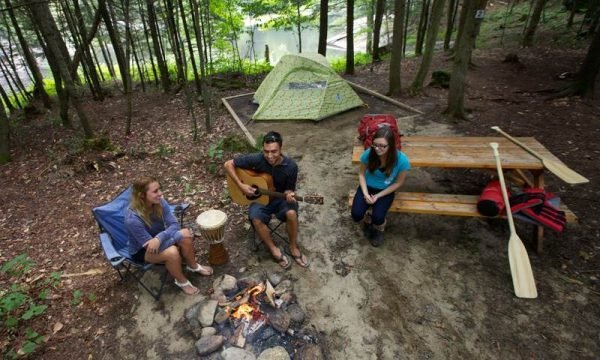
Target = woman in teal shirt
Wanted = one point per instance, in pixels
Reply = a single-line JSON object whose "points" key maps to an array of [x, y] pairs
{"points": [[382, 171]]}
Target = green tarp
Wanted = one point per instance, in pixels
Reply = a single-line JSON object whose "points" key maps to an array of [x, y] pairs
{"points": [[303, 87]]}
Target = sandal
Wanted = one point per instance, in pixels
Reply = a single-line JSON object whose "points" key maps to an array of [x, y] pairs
{"points": [[203, 270], [301, 260], [282, 258], [186, 284]]}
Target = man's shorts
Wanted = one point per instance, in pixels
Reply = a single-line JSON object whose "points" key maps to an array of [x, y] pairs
{"points": [[278, 207]]}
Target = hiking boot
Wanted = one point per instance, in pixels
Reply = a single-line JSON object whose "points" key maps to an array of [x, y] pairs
{"points": [[367, 230], [377, 238]]}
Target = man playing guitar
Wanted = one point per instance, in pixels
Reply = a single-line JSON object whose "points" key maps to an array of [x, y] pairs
{"points": [[284, 172]]}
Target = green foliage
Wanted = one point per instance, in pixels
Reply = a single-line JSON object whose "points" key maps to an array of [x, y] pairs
{"points": [[78, 145], [231, 143], [339, 63], [92, 297], [236, 143], [18, 265], [164, 151], [215, 151], [500, 28], [77, 295], [22, 303], [99, 143], [291, 13], [254, 68]]}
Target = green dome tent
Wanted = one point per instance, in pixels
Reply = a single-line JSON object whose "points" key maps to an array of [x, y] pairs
{"points": [[303, 87]]}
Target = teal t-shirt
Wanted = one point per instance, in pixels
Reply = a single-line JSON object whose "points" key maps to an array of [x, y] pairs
{"points": [[378, 179]]}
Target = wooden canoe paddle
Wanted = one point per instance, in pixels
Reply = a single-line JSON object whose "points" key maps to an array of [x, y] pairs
{"points": [[558, 169], [520, 268]]}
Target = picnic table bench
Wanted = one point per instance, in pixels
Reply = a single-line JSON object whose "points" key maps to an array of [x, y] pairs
{"points": [[470, 153]]}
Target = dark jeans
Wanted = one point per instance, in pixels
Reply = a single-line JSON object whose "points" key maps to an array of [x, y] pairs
{"points": [[380, 208]]}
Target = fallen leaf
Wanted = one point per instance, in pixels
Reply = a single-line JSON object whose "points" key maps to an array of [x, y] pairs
{"points": [[56, 328]]}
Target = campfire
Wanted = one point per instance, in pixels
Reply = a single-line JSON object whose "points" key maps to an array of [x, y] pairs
{"points": [[252, 315], [246, 312]]}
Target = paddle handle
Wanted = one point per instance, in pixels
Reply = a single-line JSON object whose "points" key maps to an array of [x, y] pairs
{"points": [[525, 147], [511, 223]]}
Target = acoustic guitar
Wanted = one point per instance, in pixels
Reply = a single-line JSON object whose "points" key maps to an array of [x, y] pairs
{"points": [[263, 183]]}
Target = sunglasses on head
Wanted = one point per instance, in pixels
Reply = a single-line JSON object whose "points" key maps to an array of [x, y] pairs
{"points": [[272, 138]]}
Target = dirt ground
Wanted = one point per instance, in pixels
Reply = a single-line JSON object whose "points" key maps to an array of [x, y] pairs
{"points": [[439, 287]]}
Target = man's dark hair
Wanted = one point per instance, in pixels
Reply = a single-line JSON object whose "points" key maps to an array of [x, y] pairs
{"points": [[271, 137]]}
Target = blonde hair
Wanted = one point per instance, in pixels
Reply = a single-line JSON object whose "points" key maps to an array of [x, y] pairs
{"points": [[138, 200]]}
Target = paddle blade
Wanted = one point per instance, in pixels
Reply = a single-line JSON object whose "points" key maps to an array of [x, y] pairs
{"points": [[564, 173], [520, 269]]}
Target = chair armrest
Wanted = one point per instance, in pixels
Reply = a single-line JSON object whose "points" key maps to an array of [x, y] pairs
{"points": [[109, 250], [179, 211]]}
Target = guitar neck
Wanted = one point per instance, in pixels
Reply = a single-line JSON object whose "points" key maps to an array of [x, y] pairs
{"points": [[278, 195]]}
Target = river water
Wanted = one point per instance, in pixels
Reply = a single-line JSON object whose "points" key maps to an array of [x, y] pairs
{"points": [[280, 43]]}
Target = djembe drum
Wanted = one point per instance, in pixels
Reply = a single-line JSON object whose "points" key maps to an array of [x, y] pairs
{"points": [[212, 227]]}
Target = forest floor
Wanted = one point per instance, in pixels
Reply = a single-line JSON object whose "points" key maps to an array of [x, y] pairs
{"points": [[439, 287]]}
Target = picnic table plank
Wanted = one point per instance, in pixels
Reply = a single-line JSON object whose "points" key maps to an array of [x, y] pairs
{"points": [[443, 204], [467, 152]]}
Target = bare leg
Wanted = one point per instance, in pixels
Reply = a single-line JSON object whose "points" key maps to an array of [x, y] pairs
{"points": [[265, 235], [186, 246], [292, 230], [187, 249], [172, 260]]}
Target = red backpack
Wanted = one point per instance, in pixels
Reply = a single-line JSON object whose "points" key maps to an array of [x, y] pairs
{"points": [[370, 123]]}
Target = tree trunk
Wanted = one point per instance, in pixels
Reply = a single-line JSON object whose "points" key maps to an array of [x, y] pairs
{"points": [[4, 137], [148, 47], [30, 59], [323, 13], [299, 27], [422, 28], [138, 65], [6, 99], [586, 77], [115, 40], [407, 8], [61, 92], [203, 69], [572, 13], [128, 49], [451, 16], [461, 23], [7, 74], [42, 16], [174, 32], [370, 13], [462, 56], [165, 81], [437, 10], [190, 48], [533, 22], [395, 84], [379, 9], [86, 41], [350, 37]]}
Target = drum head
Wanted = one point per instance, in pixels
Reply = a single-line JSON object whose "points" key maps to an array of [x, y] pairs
{"points": [[211, 219]]}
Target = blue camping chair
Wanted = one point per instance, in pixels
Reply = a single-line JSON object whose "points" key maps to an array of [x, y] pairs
{"points": [[113, 238]]}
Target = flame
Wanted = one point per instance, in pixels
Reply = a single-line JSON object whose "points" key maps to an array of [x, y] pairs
{"points": [[249, 308], [243, 311]]}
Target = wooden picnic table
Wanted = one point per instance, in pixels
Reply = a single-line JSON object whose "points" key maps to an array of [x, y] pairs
{"points": [[476, 153]]}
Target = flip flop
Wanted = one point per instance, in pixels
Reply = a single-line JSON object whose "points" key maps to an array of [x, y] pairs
{"points": [[186, 284], [202, 270], [301, 260], [282, 257]]}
